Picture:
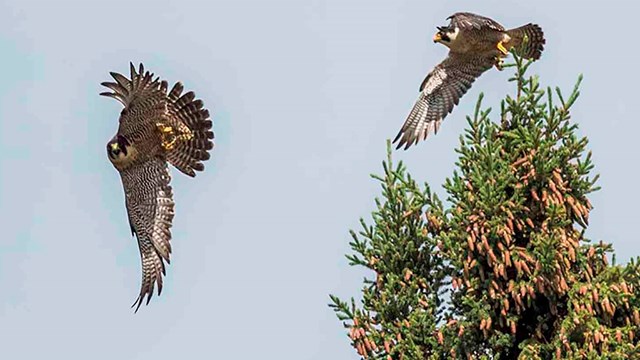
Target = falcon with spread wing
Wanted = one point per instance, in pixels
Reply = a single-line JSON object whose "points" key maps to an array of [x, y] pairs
{"points": [[476, 43], [156, 127]]}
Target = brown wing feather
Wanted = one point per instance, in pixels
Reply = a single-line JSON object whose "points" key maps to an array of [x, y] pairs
{"points": [[146, 101], [439, 93], [143, 98], [468, 21], [150, 207]]}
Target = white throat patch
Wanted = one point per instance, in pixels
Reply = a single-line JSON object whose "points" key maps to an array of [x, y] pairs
{"points": [[454, 34]]}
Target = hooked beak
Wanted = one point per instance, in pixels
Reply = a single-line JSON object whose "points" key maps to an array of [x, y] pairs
{"points": [[437, 37]]}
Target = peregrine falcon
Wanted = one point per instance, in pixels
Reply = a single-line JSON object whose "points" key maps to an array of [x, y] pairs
{"points": [[476, 43], [156, 127]]}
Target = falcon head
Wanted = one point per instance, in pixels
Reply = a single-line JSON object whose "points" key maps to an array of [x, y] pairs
{"points": [[446, 35], [119, 150]]}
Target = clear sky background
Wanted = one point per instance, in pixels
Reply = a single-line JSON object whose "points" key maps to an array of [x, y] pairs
{"points": [[303, 95]]}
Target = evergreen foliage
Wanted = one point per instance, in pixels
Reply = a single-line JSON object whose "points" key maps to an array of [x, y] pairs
{"points": [[502, 270]]}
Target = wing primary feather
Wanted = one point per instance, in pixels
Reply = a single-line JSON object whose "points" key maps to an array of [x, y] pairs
{"points": [[132, 70], [120, 79], [150, 209], [440, 92], [117, 88]]}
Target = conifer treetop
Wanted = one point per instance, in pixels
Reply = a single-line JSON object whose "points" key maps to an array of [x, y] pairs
{"points": [[501, 269]]}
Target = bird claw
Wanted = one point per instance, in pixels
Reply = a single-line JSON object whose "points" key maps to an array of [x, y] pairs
{"points": [[502, 49], [167, 136], [499, 63], [502, 53]]}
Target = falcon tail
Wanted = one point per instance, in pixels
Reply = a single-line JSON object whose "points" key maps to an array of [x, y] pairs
{"points": [[532, 48], [188, 155]]}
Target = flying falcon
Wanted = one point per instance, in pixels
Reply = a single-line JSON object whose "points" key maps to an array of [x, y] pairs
{"points": [[155, 128], [476, 43]]}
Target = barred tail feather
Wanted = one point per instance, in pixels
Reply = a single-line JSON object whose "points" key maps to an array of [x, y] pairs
{"points": [[188, 155], [532, 47]]}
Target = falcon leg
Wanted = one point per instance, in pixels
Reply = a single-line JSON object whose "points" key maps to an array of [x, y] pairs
{"points": [[503, 52], [169, 138]]}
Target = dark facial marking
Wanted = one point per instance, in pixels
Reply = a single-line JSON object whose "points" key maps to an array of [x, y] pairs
{"points": [[443, 30], [443, 37], [123, 142], [122, 146]]}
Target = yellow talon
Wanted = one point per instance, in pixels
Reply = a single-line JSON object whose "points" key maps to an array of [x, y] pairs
{"points": [[502, 49], [168, 145], [164, 128], [168, 137], [499, 62]]}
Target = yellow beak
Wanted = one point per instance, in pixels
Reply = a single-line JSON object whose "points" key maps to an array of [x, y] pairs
{"points": [[114, 146], [437, 37]]}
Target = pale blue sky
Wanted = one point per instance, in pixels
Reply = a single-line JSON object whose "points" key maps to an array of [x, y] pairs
{"points": [[303, 95]]}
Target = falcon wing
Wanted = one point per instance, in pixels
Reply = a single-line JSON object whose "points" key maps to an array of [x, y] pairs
{"points": [[469, 21], [150, 208], [439, 93], [144, 100]]}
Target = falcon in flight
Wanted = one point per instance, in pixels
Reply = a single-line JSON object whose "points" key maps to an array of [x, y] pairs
{"points": [[156, 128], [476, 43]]}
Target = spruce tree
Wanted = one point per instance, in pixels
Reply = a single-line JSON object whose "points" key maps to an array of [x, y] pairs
{"points": [[502, 269]]}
